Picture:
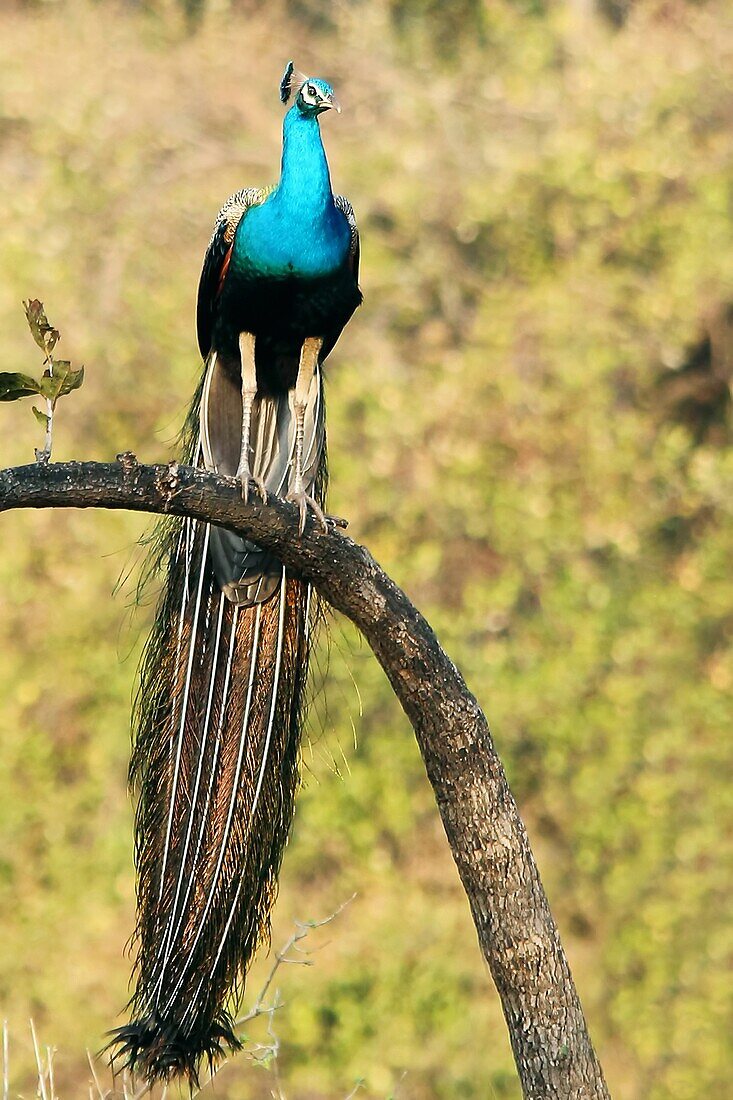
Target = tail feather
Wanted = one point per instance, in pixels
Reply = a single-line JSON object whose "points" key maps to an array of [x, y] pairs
{"points": [[215, 768]]}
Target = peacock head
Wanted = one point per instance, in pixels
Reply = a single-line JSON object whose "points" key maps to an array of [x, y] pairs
{"points": [[313, 96]]}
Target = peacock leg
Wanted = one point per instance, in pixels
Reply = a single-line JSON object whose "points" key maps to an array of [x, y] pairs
{"points": [[249, 392], [306, 369]]}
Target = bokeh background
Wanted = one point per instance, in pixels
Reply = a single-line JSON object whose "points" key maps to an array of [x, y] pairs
{"points": [[530, 426]]}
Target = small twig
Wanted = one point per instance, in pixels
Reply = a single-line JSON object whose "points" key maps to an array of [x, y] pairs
{"points": [[144, 1090], [275, 1067], [6, 1062], [45, 455], [39, 1065], [302, 929], [50, 1051], [102, 1094]]}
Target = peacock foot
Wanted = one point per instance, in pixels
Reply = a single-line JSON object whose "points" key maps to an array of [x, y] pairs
{"points": [[245, 476], [304, 502]]}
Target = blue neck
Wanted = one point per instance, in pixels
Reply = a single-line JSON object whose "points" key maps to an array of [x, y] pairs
{"points": [[304, 177], [297, 230]]}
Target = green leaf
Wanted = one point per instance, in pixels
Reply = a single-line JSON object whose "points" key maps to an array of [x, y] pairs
{"points": [[45, 335], [40, 416], [72, 381], [13, 386], [53, 382], [61, 368], [51, 385]]}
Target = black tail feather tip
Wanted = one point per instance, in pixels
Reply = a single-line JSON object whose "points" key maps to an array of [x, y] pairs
{"points": [[156, 1051]]}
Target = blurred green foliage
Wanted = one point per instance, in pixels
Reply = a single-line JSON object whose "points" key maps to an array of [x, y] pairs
{"points": [[547, 228]]}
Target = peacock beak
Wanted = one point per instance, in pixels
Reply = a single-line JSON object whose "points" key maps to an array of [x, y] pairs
{"points": [[331, 102]]}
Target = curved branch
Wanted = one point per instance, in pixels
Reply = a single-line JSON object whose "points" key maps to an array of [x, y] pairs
{"points": [[516, 931]]}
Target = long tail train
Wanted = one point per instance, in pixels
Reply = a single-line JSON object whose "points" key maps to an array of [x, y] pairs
{"points": [[215, 760]]}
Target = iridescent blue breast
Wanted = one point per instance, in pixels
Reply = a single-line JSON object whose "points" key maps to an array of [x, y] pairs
{"points": [[279, 240]]}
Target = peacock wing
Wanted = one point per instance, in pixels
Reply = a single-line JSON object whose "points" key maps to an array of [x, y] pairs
{"points": [[216, 260], [342, 203]]}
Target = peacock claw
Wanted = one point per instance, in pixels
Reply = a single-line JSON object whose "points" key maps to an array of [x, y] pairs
{"points": [[304, 502], [245, 477]]}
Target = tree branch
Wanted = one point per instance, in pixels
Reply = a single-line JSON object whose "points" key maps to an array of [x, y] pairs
{"points": [[516, 931]]}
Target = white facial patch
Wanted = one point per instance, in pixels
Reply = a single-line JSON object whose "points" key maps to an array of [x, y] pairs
{"points": [[311, 94]]}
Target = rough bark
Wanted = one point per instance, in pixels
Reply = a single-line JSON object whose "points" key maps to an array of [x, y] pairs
{"points": [[516, 931]]}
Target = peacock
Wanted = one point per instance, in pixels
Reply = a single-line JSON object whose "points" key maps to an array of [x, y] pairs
{"points": [[218, 715]]}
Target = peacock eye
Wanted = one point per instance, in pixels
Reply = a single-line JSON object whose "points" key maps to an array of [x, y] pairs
{"points": [[311, 89]]}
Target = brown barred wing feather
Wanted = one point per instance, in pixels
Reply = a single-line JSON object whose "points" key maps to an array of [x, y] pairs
{"points": [[216, 260], [343, 204]]}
